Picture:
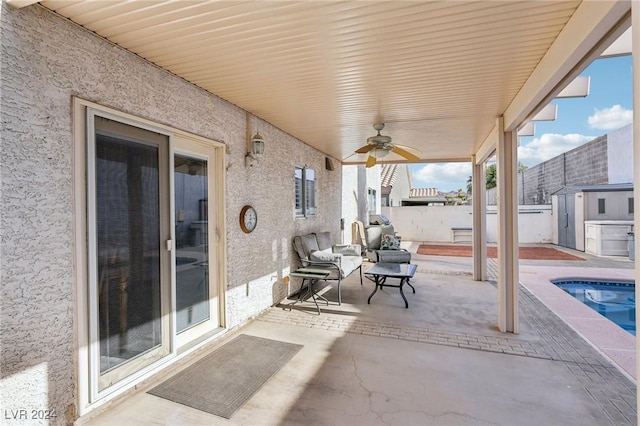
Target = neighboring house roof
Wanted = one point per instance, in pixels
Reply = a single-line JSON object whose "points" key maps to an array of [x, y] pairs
{"points": [[388, 174], [391, 174], [423, 192]]}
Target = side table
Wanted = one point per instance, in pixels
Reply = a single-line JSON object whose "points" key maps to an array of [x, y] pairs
{"points": [[311, 275]]}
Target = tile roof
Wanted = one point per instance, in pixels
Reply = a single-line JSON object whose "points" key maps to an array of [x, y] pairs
{"points": [[388, 174], [423, 192]]}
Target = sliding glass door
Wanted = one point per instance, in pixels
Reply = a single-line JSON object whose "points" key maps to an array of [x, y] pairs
{"points": [[153, 267], [129, 263]]}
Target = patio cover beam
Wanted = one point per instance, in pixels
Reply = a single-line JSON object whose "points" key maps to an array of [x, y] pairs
{"points": [[580, 39], [19, 4], [487, 148], [591, 29]]}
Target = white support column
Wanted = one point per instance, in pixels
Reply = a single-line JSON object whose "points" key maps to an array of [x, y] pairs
{"points": [[508, 274], [479, 194], [635, 36]]}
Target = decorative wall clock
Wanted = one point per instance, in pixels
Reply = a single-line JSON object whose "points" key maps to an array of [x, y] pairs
{"points": [[248, 219]]}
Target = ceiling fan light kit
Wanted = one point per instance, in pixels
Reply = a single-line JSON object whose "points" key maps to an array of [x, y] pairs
{"points": [[379, 146], [379, 152]]}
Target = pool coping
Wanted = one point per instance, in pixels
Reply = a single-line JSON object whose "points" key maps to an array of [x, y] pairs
{"points": [[613, 342]]}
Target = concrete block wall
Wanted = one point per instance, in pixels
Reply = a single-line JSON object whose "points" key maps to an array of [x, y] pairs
{"points": [[537, 183], [45, 61], [584, 165], [587, 164]]}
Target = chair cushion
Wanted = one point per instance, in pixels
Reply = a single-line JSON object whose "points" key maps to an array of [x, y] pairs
{"points": [[390, 242], [324, 240], [348, 249], [349, 264], [304, 245], [297, 247], [393, 256]]}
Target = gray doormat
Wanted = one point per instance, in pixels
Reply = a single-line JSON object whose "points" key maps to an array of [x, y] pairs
{"points": [[222, 382]]}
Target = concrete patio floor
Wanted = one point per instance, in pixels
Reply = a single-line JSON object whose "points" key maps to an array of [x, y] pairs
{"points": [[442, 361]]}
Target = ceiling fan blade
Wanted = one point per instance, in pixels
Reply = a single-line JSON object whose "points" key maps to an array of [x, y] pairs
{"points": [[410, 148], [365, 149], [406, 154], [348, 156], [371, 161]]}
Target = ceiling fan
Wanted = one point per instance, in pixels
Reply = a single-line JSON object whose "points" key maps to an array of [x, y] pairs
{"points": [[380, 145]]}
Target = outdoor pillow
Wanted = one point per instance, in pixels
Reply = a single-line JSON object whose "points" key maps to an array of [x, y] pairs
{"points": [[323, 256], [390, 242]]}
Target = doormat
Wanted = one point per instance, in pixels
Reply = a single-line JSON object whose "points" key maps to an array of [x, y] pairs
{"points": [[528, 253], [222, 382]]}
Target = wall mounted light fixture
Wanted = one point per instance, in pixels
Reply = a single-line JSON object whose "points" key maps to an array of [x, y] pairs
{"points": [[257, 144], [255, 148]]}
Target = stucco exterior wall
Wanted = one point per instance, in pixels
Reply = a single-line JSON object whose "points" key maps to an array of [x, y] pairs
{"points": [[373, 180], [45, 62], [401, 187], [350, 199]]}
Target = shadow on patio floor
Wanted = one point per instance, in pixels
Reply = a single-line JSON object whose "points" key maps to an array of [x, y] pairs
{"points": [[441, 361]]}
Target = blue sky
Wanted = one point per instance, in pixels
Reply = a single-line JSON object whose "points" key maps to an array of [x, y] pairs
{"points": [[608, 107]]}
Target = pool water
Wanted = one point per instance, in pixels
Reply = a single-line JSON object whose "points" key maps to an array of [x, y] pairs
{"points": [[615, 300]]}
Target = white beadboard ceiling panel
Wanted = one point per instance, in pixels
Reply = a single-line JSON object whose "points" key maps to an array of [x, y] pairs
{"points": [[438, 73]]}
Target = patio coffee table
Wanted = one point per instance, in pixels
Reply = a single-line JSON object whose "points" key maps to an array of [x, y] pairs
{"points": [[381, 271]]}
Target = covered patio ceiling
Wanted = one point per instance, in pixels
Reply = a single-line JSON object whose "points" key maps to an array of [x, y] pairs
{"points": [[438, 73]]}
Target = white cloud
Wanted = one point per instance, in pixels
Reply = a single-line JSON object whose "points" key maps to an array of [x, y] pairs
{"points": [[444, 176], [610, 118], [548, 146]]}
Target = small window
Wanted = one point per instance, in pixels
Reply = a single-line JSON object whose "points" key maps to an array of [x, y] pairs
{"points": [[631, 205], [601, 209], [371, 200], [305, 191]]}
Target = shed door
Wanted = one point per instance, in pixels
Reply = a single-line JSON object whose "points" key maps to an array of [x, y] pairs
{"points": [[567, 221]]}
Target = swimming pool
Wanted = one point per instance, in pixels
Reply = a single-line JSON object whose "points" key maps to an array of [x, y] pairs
{"points": [[615, 300]]}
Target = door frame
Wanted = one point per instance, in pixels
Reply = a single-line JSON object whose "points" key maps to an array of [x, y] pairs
{"points": [[188, 146], [86, 400]]}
